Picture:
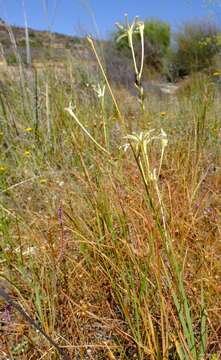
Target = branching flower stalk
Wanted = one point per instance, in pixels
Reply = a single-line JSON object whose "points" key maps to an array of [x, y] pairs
{"points": [[127, 30], [139, 144], [186, 342]]}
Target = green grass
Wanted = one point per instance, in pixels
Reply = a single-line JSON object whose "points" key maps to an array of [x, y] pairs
{"points": [[113, 258]]}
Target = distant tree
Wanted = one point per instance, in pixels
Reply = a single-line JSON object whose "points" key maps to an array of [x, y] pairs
{"points": [[157, 33]]}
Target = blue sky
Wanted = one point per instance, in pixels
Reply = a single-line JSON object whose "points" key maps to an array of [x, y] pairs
{"points": [[87, 16]]}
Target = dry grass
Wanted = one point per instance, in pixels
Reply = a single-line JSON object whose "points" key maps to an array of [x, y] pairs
{"points": [[85, 247]]}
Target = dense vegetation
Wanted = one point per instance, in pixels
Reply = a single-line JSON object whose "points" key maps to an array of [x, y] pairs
{"points": [[109, 212], [197, 45], [194, 48]]}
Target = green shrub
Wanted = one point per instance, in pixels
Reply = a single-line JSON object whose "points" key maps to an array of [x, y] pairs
{"points": [[11, 59], [33, 41], [70, 43], [5, 42], [197, 45], [157, 34], [22, 43]]}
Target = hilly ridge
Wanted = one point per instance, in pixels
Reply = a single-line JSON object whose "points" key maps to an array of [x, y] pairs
{"points": [[44, 45]]}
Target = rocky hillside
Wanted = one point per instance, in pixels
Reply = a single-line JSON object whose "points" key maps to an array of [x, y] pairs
{"points": [[55, 48], [43, 44]]}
